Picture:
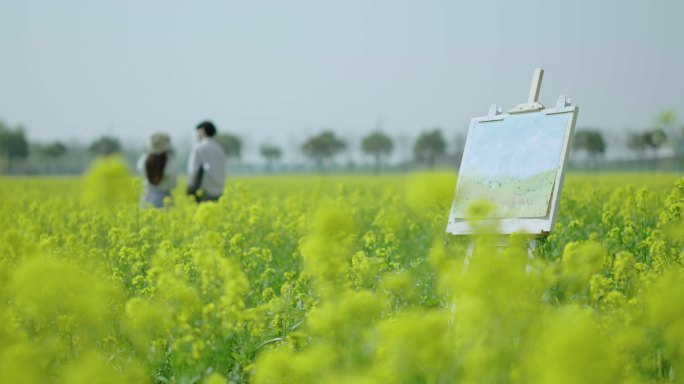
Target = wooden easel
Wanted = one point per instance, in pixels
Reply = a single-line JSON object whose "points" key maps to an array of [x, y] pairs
{"points": [[538, 228]]}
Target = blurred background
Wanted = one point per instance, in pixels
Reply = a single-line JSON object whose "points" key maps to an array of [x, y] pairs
{"points": [[337, 86]]}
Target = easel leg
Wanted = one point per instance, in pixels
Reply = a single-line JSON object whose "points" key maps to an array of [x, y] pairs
{"points": [[531, 246], [469, 255]]}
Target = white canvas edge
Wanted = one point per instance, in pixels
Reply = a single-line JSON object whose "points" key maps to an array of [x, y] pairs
{"points": [[535, 225]]}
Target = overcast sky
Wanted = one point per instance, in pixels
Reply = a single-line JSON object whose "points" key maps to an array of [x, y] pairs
{"points": [[277, 71]]}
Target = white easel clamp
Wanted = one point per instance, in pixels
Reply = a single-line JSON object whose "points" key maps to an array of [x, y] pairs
{"points": [[563, 104], [532, 104], [494, 113]]}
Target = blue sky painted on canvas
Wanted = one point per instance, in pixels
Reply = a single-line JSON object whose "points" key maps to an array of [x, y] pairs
{"points": [[518, 147]]}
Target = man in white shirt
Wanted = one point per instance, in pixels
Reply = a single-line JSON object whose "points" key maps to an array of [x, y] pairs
{"points": [[206, 166]]}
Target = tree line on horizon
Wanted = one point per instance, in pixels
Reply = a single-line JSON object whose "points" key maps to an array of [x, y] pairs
{"points": [[664, 131], [323, 148]]}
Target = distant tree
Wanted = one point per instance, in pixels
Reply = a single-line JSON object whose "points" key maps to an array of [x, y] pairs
{"points": [[666, 121], [105, 146], [231, 144], [13, 144], [429, 146], [54, 150], [637, 143], [655, 138], [590, 141], [271, 154], [378, 145], [323, 147]]}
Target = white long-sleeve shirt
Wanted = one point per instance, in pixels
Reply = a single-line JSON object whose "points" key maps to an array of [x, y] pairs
{"points": [[208, 154]]}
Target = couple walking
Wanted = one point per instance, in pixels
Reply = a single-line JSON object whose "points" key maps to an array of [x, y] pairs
{"points": [[206, 168]]}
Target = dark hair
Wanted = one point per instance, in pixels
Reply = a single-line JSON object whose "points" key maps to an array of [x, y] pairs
{"points": [[208, 127], [154, 167]]}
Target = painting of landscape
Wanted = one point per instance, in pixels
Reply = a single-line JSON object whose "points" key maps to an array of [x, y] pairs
{"points": [[513, 164]]}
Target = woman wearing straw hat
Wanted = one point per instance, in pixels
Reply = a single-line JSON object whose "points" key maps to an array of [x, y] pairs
{"points": [[159, 175]]}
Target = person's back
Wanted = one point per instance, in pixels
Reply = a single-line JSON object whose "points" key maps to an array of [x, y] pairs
{"points": [[207, 165], [156, 166]]}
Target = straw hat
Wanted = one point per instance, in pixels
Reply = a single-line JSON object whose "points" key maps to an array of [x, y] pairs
{"points": [[158, 144]]}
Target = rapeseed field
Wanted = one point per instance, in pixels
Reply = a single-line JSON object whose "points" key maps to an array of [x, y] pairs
{"points": [[335, 279]]}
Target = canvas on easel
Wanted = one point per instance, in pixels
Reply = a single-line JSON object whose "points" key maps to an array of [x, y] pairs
{"points": [[515, 161]]}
